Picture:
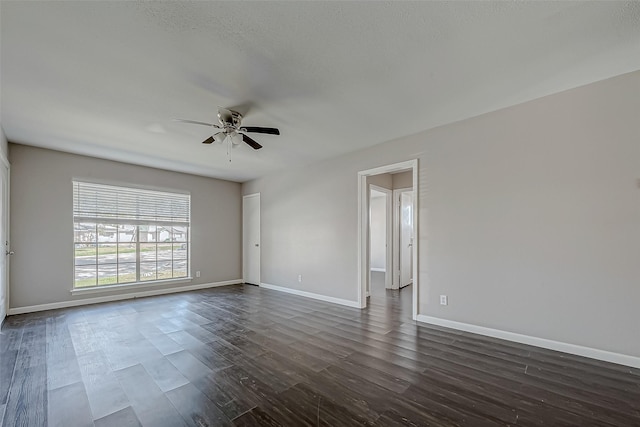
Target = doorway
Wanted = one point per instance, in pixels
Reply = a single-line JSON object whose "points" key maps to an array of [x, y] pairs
{"points": [[380, 237], [251, 239], [366, 179]]}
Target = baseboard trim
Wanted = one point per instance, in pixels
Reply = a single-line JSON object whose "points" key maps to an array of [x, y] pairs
{"points": [[120, 297], [320, 297], [593, 353]]}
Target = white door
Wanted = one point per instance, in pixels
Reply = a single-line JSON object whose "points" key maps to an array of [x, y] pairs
{"points": [[4, 238], [251, 239], [406, 238]]}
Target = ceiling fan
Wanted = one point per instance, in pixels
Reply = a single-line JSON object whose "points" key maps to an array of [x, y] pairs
{"points": [[230, 129]]}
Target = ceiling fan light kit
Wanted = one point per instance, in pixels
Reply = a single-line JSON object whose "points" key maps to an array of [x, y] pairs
{"points": [[230, 130], [219, 137]]}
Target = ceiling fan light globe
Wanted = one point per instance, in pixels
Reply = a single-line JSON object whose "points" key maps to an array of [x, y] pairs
{"points": [[236, 139], [219, 137]]}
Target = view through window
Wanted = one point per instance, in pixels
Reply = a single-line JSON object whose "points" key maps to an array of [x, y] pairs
{"points": [[128, 235]]}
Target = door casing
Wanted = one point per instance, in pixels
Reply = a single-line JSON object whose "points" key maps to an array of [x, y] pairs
{"points": [[4, 236]]}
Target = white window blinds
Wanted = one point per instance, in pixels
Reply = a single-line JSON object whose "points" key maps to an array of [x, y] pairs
{"points": [[94, 202]]}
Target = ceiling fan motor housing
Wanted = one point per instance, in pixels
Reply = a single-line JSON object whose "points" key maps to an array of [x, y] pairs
{"points": [[229, 118]]}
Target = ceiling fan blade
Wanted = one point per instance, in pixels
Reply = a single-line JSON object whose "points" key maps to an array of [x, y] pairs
{"points": [[194, 122], [208, 140], [254, 129], [250, 142]]}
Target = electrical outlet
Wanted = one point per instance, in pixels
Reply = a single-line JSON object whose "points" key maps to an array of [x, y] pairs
{"points": [[444, 300], [198, 273], [299, 278]]}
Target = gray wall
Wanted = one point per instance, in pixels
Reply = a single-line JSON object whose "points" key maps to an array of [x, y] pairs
{"points": [[392, 181], [42, 222], [402, 180], [529, 218], [384, 180]]}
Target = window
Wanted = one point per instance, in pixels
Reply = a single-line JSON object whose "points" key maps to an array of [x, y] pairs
{"points": [[126, 235]]}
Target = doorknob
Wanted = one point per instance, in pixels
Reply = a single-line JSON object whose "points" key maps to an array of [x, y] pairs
{"points": [[9, 252], [257, 245]]}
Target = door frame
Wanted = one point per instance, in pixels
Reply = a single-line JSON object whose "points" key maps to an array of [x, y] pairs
{"points": [[389, 234], [363, 228], [397, 265], [244, 227], [4, 163]]}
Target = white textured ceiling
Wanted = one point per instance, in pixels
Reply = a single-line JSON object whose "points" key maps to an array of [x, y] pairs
{"points": [[106, 78]]}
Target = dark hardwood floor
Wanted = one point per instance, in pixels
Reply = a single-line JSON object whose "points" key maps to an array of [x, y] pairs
{"points": [[246, 356]]}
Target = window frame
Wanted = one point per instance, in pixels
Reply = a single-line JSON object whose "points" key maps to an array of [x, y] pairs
{"points": [[162, 197]]}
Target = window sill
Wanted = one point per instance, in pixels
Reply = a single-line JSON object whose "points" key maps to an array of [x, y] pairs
{"points": [[139, 285]]}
